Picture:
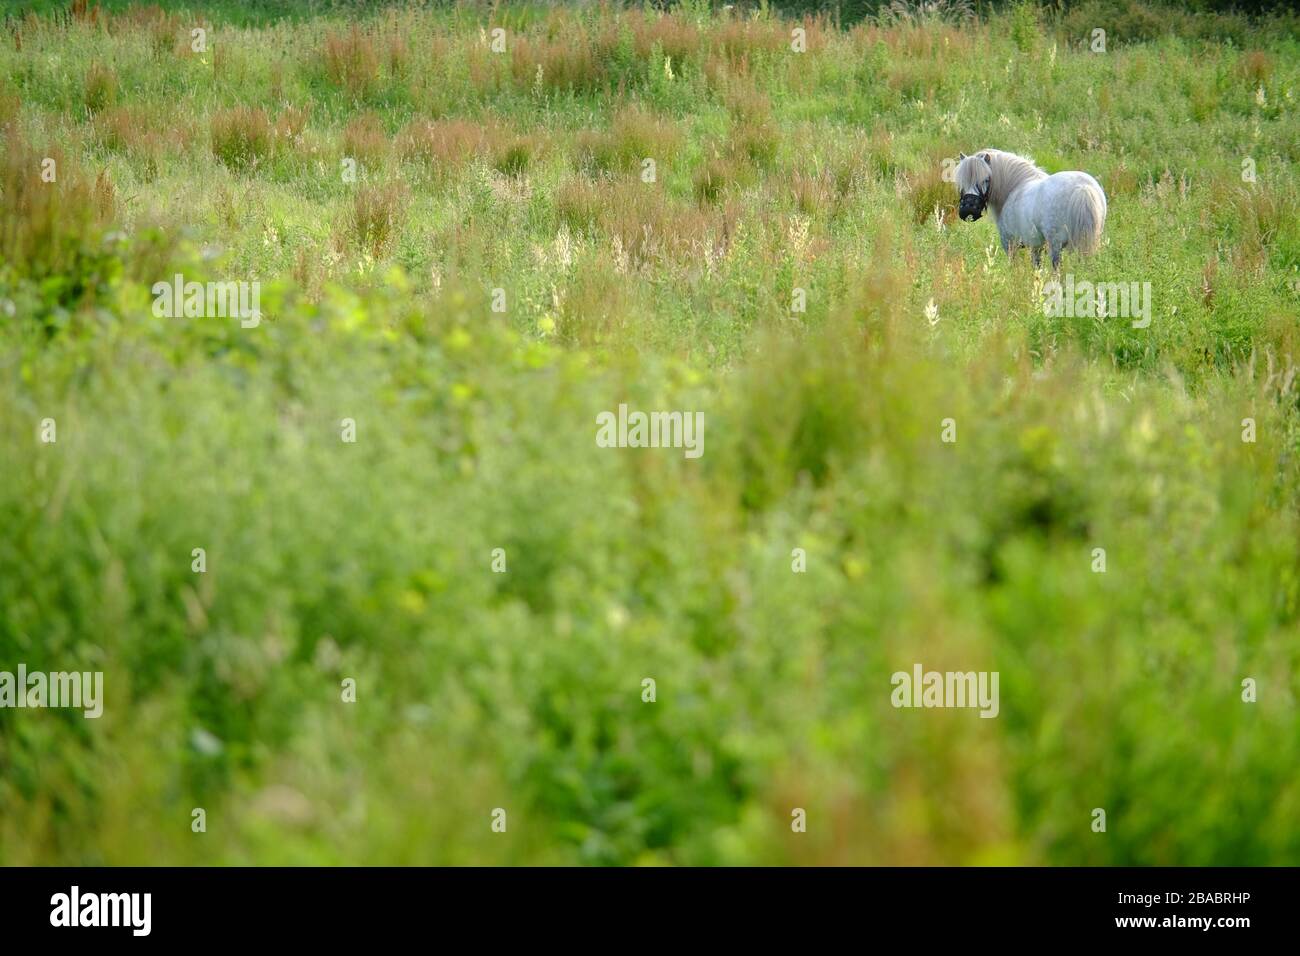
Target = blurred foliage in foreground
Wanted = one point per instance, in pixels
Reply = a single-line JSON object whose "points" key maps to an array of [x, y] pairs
{"points": [[522, 690]]}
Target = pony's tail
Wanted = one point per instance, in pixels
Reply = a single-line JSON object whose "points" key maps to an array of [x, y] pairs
{"points": [[1086, 215]]}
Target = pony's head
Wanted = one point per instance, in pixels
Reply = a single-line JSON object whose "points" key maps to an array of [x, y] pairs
{"points": [[974, 176]]}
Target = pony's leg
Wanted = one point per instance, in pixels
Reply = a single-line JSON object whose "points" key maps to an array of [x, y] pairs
{"points": [[1055, 251], [1037, 254]]}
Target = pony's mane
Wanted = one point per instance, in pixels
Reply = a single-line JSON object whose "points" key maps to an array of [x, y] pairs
{"points": [[1009, 173]]}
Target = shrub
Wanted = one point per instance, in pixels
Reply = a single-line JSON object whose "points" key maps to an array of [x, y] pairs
{"points": [[397, 55], [576, 60], [376, 217], [813, 193], [292, 122], [365, 140], [165, 30], [579, 203], [101, 87], [927, 191], [738, 40], [719, 174], [1256, 67], [52, 233], [633, 136], [756, 140], [674, 35], [512, 155], [120, 128], [241, 137], [1023, 24], [442, 144], [351, 62]]}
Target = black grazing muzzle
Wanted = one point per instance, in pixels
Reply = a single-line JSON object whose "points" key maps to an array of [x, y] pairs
{"points": [[972, 205]]}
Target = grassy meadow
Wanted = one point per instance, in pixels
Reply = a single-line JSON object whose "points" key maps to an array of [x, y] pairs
{"points": [[672, 209]]}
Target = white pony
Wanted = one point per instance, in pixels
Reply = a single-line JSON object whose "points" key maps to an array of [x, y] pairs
{"points": [[1030, 207]]}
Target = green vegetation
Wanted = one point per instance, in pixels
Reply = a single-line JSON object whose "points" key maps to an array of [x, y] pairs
{"points": [[524, 171]]}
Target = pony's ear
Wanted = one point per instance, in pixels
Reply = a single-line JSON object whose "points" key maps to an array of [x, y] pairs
{"points": [[984, 156], [961, 156]]}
